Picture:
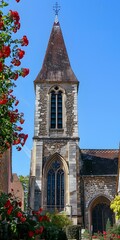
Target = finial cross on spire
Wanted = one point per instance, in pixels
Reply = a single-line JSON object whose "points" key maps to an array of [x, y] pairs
{"points": [[56, 8]]}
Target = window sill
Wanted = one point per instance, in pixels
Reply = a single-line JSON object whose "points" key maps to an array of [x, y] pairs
{"points": [[56, 130]]}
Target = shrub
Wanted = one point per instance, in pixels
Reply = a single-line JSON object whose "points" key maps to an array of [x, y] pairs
{"points": [[73, 232]]}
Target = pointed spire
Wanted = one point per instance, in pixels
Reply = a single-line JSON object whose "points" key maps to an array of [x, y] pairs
{"points": [[56, 64]]}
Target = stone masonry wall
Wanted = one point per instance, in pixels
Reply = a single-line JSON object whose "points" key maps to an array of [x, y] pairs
{"points": [[95, 186], [42, 111]]}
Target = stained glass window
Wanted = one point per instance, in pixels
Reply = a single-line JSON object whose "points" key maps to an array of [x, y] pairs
{"points": [[53, 110], [55, 186], [56, 108]]}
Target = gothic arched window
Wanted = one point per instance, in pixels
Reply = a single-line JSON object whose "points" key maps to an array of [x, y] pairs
{"points": [[55, 186], [56, 108]]}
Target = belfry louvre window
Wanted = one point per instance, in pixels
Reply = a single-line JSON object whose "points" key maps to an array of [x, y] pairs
{"points": [[55, 186], [56, 108]]}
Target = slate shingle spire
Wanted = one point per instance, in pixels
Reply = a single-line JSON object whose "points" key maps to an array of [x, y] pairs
{"points": [[56, 64]]}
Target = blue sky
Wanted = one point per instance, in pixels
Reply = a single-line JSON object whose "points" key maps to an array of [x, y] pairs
{"points": [[91, 30]]}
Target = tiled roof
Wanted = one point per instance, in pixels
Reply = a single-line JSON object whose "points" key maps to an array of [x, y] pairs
{"points": [[99, 161], [56, 64]]}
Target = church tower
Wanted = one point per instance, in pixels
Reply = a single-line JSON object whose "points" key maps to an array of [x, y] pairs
{"points": [[54, 173]]}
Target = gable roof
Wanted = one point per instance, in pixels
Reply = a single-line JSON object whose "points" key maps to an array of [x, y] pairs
{"points": [[99, 161], [56, 64]]}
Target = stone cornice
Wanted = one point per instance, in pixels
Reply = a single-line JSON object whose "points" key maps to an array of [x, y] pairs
{"points": [[56, 138]]}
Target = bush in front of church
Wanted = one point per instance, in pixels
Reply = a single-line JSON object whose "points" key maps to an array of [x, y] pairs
{"points": [[57, 226], [73, 232]]}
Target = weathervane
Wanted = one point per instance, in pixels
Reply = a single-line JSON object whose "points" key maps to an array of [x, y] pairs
{"points": [[56, 8]]}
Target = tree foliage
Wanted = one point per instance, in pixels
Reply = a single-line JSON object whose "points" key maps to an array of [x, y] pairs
{"points": [[115, 206], [25, 183], [11, 54]]}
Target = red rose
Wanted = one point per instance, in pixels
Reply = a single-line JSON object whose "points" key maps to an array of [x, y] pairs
{"points": [[30, 233], [17, 141], [16, 103], [19, 203], [19, 214], [19, 129], [9, 210], [22, 120], [25, 72], [22, 219], [6, 51], [3, 101], [24, 41], [40, 219], [1, 66], [24, 139], [15, 76], [16, 62], [40, 230], [7, 204], [1, 24], [15, 16], [1, 54], [46, 218], [18, 25], [20, 53]]}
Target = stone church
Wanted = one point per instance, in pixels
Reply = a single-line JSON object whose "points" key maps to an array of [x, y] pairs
{"points": [[64, 177]]}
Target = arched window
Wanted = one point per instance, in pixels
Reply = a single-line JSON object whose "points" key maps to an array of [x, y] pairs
{"points": [[55, 186], [56, 108]]}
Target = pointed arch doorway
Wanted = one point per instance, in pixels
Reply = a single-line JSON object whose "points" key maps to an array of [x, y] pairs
{"points": [[100, 214]]}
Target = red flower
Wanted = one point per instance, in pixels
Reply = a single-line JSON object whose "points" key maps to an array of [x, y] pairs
{"points": [[22, 219], [16, 103], [24, 139], [3, 101], [10, 91], [1, 54], [1, 24], [20, 53], [18, 25], [16, 62], [40, 218], [19, 214], [19, 128], [24, 41], [9, 210], [6, 51], [15, 16], [17, 141], [22, 120], [46, 218], [15, 76], [7, 204], [25, 72], [1, 66], [40, 210], [17, 0], [40, 230], [20, 204], [30, 233]]}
